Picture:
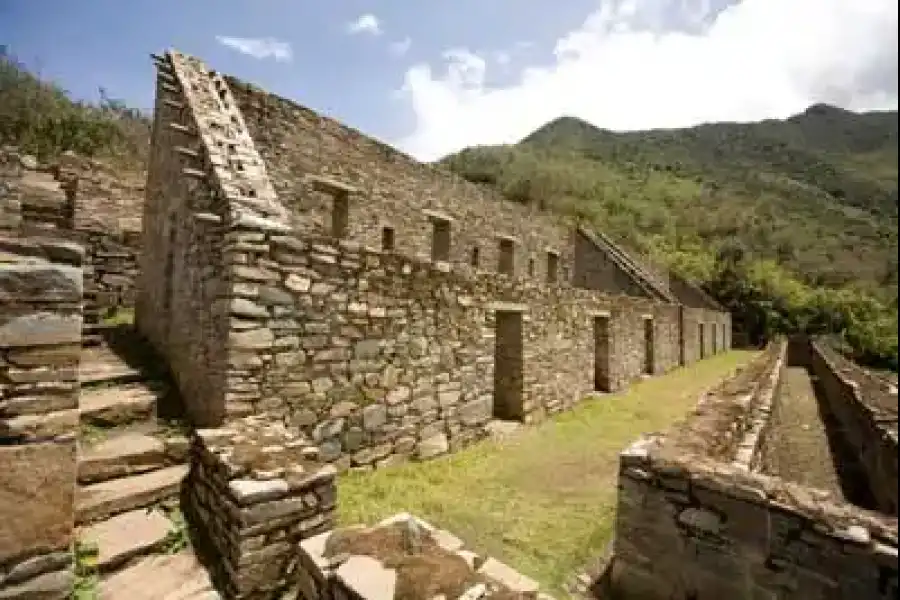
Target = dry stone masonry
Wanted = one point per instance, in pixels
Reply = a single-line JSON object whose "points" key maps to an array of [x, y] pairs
{"points": [[403, 557], [386, 309], [40, 343], [255, 490], [697, 520]]}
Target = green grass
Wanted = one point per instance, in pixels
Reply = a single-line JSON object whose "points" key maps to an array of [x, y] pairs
{"points": [[544, 500]]}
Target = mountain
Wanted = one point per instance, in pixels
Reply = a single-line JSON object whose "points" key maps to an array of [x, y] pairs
{"points": [[808, 204]]}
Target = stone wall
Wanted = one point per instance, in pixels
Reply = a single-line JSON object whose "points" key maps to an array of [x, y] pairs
{"points": [[393, 190], [596, 270], [866, 410], [694, 521], [10, 192], [254, 491], [40, 342], [104, 198], [375, 355]]}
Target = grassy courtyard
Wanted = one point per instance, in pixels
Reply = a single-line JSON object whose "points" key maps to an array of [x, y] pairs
{"points": [[543, 500]]}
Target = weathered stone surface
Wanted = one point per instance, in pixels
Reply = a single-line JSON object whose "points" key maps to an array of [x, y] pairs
{"points": [[40, 281], [37, 498], [39, 329]]}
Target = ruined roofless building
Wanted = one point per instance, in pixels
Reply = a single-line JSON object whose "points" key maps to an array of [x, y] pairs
{"points": [[294, 268]]}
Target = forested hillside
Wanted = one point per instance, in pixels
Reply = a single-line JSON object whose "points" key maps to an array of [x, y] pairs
{"points": [[792, 224]]}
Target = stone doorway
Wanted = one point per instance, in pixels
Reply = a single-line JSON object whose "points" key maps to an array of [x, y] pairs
{"points": [[701, 332], [649, 346], [508, 366], [602, 354], [340, 215]]}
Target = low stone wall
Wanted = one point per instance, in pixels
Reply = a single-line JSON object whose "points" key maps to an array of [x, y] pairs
{"points": [[40, 343], [867, 412], [689, 527], [402, 557], [253, 492], [695, 522], [10, 192]]}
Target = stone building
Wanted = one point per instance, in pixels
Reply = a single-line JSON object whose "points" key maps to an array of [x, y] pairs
{"points": [[294, 267]]}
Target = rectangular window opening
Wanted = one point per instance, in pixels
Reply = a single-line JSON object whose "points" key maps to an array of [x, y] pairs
{"points": [[387, 239], [340, 215], [440, 240], [552, 267], [506, 261]]}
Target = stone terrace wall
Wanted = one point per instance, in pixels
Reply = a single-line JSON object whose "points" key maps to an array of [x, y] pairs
{"points": [[374, 354], [10, 193], [693, 522], [105, 198], [40, 343], [394, 190], [867, 413]]}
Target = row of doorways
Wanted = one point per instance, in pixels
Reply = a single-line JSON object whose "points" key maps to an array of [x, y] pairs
{"points": [[509, 363]]}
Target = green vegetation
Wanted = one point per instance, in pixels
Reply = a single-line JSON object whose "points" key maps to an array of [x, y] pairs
{"points": [[544, 499], [87, 576], [40, 118], [791, 224]]}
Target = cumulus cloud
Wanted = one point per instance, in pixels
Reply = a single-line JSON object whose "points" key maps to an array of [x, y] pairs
{"points": [[367, 23], [400, 48], [258, 47], [638, 64]]}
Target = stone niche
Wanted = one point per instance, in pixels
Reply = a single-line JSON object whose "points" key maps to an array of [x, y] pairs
{"points": [[40, 342], [254, 491], [402, 557]]}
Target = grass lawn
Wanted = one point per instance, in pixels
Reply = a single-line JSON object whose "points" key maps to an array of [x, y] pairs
{"points": [[542, 501]]}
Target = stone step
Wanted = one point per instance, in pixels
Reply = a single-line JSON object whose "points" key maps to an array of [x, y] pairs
{"points": [[93, 374], [101, 500], [126, 536], [170, 577], [107, 407], [120, 455]]}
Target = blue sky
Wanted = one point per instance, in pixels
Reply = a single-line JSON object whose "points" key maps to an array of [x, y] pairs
{"points": [[434, 76], [88, 44]]}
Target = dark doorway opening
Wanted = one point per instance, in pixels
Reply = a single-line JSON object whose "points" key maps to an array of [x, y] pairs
{"points": [[602, 351], [649, 346], [508, 367]]}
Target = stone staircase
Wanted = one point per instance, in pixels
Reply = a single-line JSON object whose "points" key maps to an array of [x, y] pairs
{"points": [[133, 457]]}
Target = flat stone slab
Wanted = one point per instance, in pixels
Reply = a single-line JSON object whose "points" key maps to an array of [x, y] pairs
{"points": [[122, 454], [125, 536], [367, 577], [101, 500], [116, 406], [171, 577]]}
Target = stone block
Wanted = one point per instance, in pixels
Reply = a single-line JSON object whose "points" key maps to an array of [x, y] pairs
{"points": [[37, 497], [257, 489], [356, 562]]}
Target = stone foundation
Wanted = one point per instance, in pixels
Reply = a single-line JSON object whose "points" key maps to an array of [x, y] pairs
{"points": [[40, 342], [254, 491], [326, 573]]}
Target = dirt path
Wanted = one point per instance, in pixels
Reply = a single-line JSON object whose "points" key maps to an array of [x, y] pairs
{"points": [[797, 444]]}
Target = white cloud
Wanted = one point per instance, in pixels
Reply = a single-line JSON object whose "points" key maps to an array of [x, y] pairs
{"points": [[258, 47], [367, 23], [400, 48], [637, 64]]}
